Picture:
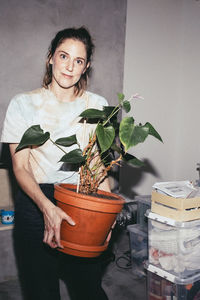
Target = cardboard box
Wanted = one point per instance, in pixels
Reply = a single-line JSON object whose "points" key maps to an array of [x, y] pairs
{"points": [[175, 208]]}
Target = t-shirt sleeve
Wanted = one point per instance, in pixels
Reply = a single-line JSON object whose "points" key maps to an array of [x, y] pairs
{"points": [[15, 123], [98, 102], [103, 102]]}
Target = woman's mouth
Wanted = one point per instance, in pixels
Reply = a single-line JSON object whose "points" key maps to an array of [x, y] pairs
{"points": [[67, 76]]}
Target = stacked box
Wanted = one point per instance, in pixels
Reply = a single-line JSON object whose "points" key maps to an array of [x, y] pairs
{"points": [[143, 204], [180, 209], [139, 248], [174, 246], [160, 288]]}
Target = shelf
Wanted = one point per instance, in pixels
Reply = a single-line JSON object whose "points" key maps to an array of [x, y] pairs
{"points": [[6, 227]]}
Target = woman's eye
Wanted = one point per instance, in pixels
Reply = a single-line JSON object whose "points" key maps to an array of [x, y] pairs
{"points": [[79, 62], [63, 56]]}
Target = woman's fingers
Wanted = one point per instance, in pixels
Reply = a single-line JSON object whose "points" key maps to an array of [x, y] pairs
{"points": [[69, 219], [53, 221], [109, 236], [113, 225], [110, 232], [50, 240], [57, 230], [45, 236]]}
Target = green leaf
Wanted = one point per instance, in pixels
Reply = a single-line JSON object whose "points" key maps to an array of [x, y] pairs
{"points": [[105, 136], [130, 134], [68, 141], [33, 136], [126, 106], [116, 148], [108, 110], [93, 114], [136, 162], [130, 159], [75, 156], [120, 97], [153, 132]]}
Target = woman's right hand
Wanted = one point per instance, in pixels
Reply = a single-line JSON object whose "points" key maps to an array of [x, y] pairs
{"points": [[53, 217]]}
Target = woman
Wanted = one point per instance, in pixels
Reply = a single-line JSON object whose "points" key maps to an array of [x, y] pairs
{"points": [[56, 107]]}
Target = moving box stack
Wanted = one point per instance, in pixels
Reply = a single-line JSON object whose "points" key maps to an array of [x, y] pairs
{"points": [[174, 242]]}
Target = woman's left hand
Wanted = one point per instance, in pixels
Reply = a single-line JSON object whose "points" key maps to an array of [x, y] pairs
{"points": [[110, 233]]}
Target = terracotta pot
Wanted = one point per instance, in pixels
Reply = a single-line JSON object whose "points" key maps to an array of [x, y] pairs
{"points": [[93, 215]]}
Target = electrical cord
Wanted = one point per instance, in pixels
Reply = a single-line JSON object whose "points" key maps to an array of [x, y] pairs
{"points": [[125, 257]]}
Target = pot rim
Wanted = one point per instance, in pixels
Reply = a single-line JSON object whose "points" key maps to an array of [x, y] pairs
{"points": [[66, 189]]}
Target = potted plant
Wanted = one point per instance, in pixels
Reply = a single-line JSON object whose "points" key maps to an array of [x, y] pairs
{"points": [[93, 210]]}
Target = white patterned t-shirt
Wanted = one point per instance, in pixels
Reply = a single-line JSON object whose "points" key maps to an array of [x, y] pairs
{"points": [[61, 119]]}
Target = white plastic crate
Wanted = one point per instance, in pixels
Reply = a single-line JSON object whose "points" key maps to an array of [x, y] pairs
{"points": [[139, 249], [161, 288], [174, 246]]}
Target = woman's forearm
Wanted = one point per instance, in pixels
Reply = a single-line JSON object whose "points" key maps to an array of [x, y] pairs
{"points": [[52, 214], [26, 179], [105, 185], [29, 185]]}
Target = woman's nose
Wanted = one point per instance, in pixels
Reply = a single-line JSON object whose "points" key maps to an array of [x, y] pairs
{"points": [[70, 65]]}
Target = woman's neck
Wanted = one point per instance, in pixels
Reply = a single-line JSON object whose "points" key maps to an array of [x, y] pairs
{"points": [[63, 95]]}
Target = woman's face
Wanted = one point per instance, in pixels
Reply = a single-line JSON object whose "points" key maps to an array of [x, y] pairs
{"points": [[69, 62]]}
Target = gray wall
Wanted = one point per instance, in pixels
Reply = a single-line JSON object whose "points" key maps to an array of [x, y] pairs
{"points": [[26, 29]]}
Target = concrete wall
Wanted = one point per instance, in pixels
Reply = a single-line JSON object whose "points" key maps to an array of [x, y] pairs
{"points": [[6, 189], [26, 29], [162, 64]]}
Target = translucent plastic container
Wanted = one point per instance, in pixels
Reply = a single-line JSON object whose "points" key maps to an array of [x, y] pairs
{"points": [[160, 288], [174, 246], [139, 248], [143, 204]]}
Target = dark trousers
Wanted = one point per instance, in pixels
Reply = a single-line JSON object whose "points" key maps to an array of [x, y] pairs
{"points": [[40, 267]]}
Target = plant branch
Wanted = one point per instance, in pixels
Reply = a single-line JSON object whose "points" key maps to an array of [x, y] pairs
{"points": [[57, 146], [115, 110]]}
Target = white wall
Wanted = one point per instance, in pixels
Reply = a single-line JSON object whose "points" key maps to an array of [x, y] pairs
{"points": [[162, 64]]}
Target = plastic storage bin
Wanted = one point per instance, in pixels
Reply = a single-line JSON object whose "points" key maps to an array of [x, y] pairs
{"points": [[174, 246], [139, 248], [143, 204], [160, 288]]}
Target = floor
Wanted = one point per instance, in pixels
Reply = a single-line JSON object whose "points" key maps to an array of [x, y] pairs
{"points": [[120, 281]]}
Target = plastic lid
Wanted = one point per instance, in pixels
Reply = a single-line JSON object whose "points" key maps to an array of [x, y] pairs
{"points": [[172, 277], [172, 222]]}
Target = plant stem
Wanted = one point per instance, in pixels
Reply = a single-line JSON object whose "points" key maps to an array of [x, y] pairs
{"points": [[115, 110], [57, 146]]}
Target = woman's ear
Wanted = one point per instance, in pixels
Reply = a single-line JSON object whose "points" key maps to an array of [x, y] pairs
{"points": [[49, 58], [86, 67]]}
